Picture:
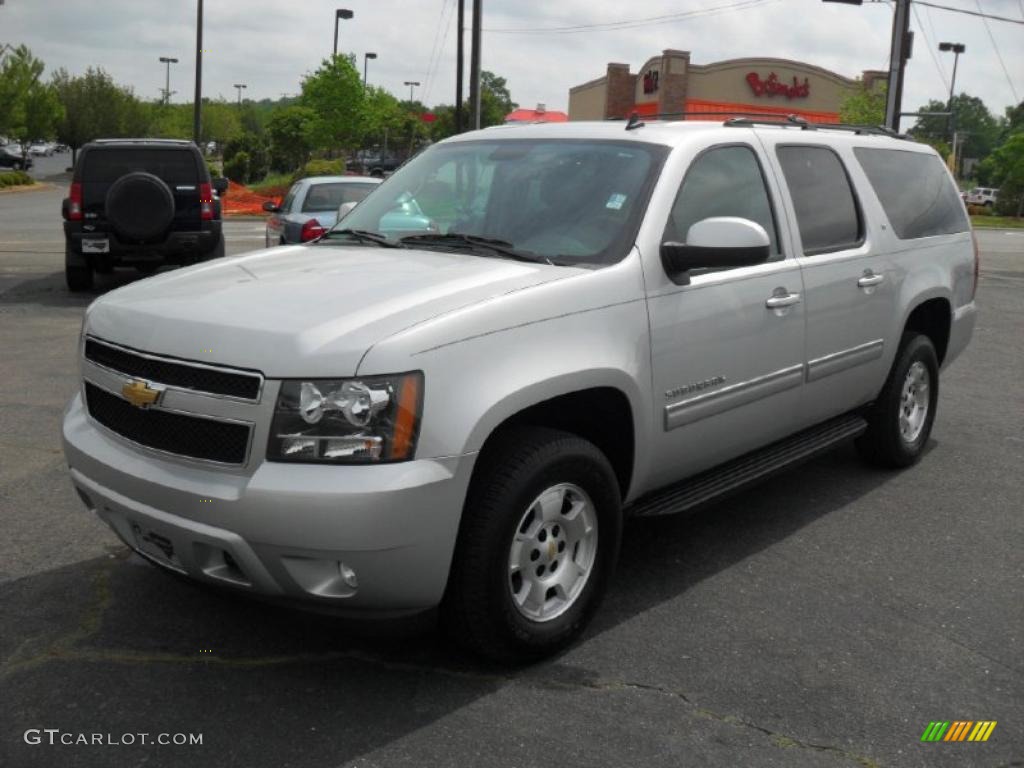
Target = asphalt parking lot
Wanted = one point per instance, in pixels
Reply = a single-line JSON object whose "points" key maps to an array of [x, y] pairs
{"points": [[823, 618]]}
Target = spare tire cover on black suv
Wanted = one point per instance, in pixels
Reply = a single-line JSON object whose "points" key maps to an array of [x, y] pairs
{"points": [[140, 206]]}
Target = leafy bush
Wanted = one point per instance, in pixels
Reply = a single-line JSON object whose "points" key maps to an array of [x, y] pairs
{"points": [[979, 210], [321, 168], [238, 167], [15, 179], [257, 157]]}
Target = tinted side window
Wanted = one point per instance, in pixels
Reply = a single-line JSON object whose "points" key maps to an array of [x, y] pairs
{"points": [[915, 191], [327, 197], [826, 210], [725, 181], [286, 204]]}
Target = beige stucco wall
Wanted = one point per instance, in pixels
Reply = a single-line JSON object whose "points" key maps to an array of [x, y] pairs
{"points": [[726, 81], [587, 101]]}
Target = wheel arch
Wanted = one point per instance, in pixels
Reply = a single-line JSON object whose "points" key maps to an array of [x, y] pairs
{"points": [[932, 316]]}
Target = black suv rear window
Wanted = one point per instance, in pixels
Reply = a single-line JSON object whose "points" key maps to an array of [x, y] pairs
{"points": [[915, 191], [106, 165]]}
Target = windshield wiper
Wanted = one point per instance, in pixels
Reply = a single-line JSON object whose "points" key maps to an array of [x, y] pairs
{"points": [[501, 247], [366, 236]]}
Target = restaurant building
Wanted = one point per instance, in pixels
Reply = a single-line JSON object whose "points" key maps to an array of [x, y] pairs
{"points": [[669, 83]]}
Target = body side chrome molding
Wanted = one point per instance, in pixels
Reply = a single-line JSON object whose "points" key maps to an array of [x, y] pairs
{"points": [[826, 365], [712, 403]]}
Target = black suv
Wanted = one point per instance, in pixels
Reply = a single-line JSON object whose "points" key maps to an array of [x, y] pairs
{"points": [[139, 203]]}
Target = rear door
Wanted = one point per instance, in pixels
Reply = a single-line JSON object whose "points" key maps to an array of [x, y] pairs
{"points": [[848, 279], [176, 166]]}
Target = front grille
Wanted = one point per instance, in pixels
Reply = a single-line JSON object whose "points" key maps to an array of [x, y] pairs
{"points": [[178, 433], [174, 374]]}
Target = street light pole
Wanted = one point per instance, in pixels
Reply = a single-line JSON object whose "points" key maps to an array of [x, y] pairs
{"points": [[957, 49], [412, 84], [366, 59], [167, 87], [239, 87], [197, 107], [341, 13]]}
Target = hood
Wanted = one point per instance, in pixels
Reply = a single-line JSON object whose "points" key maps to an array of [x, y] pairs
{"points": [[301, 310]]}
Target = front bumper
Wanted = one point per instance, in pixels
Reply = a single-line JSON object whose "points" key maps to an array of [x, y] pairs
{"points": [[360, 539]]}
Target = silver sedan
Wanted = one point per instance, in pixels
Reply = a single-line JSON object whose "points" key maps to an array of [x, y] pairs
{"points": [[311, 207]]}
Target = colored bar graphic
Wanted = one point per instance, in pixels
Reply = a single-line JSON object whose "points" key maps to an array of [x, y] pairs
{"points": [[958, 730]]}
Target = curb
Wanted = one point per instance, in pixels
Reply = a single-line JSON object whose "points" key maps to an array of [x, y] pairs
{"points": [[39, 186]]}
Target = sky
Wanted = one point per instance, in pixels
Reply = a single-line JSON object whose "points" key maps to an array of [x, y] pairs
{"points": [[270, 44]]}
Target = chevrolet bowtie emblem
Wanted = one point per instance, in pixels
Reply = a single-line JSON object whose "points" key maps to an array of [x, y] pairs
{"points": [[140, 394]]}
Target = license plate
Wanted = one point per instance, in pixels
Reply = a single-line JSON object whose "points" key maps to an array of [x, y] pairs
{"points": [[96, 246]]}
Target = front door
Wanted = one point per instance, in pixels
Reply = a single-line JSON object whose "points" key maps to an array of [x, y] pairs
{"points": [[727, 349]]}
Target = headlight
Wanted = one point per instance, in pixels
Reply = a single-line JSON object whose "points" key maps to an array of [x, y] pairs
{"points": [[347, 421]]}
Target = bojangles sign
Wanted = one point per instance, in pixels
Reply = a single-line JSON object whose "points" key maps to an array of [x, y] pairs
{"points": [[772, 86]]}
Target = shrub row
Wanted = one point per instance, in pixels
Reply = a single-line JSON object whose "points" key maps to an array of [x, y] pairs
{"points": [[15, 179]]}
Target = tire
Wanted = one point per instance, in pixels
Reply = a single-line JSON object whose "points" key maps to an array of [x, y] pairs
{"points": [[897, 429], [140, 206], [78, 277], [530, 465]]}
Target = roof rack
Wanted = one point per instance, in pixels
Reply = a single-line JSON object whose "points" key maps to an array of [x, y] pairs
{"points": [[805, 125], [742, 119]]}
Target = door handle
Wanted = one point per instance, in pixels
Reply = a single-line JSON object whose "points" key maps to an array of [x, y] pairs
{"points": [[782, 300], [870, 279]]}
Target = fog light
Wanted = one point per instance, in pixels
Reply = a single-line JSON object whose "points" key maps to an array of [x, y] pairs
{"points": [[348, 575]]}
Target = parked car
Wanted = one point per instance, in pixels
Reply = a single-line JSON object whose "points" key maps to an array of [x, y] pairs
{"points": [[597, 320], [374, 162], [41, 149], [311, 207], [139, 203], [986, 196], [11, 157]]}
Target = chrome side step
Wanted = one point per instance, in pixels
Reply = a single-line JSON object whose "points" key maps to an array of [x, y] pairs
{"points": [[748, 469]]}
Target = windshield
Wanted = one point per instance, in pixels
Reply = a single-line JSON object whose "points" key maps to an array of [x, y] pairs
{"points": [[567, 201]]}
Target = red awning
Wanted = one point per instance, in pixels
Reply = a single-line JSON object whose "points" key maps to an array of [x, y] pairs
{"points": [[533, 116]]}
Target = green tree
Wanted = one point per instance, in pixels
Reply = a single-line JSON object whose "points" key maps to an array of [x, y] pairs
{"points": [[495, 99], [96, 107], [335, 93], [863, 106], [257, 158], [1007, 164], [31, 108], [972, 119], [291, 137], [221, 122]]}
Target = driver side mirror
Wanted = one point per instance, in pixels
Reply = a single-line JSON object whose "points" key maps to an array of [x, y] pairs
{"points": [[720, 242], [220, 186], [344, 208], [271, 207]]}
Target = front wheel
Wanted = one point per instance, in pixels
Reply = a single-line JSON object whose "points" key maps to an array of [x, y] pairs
{"points": [[537, 546], [901, 419]]}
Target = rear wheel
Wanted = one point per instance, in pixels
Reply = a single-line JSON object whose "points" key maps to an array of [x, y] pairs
{"points": [[901, 419], [78, 276], [537, 546]]}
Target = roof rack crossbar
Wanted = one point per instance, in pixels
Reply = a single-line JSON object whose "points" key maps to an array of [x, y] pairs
{"points": [[795, 120]]}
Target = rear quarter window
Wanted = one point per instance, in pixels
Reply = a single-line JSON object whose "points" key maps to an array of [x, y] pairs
{"points": [[174, 166], [915, 191], [826, 208]]}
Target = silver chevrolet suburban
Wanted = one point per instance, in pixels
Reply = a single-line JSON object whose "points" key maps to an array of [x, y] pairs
{"points": [[455, 396]]}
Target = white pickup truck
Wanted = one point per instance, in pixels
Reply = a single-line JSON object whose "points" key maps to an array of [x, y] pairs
{"points": [[527, 333]]}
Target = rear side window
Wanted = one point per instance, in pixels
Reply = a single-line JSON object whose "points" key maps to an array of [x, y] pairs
{"points": [[915, 191], [174, 166], [328, 197], [826, 209]]}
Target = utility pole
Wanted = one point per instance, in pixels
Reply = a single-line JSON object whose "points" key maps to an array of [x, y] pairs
{"points": [[459, 56], [197, 108], [899, 52], [474, 64]]}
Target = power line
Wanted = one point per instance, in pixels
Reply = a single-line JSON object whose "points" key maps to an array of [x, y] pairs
{"points": [[609, 26], [931, 49], [433, 46], [998, 54], [980, 13], [445, 23]]}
